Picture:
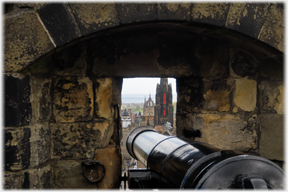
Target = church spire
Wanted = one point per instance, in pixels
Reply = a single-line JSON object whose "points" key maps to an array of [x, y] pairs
{"points": [[164, 83]]}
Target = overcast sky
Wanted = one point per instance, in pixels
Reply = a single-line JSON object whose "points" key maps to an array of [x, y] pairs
{"points": [[144, 85]]}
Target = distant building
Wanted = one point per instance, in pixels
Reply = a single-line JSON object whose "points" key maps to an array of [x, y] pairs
{"points": [[148, 108], [137, 117], [148, 112], [126, 119], [163, 110]]}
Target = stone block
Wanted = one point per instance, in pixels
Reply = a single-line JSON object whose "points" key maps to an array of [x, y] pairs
{"points": [[272, 143], [174, 11], [40, 178], [275, 71], [25, 41], [69, 62], [224, 131], [68, 174], [116, 89], [190, 95], [136, 12], [217, 95], [245, 94], [79, 140], [122, 62], [214, 59], [17, 149], [73, 99], [40, 144], [103, 98], [272, 96], [26, 5], [13, 180], [210, 13], [40, 99], [110, 157], [92, 17], [247, 18], [243, 64], [187, 121], [272, 31], [59, 22], [17, 100]]}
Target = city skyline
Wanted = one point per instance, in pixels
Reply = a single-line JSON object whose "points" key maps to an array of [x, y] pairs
{"points": [[144, 85]]}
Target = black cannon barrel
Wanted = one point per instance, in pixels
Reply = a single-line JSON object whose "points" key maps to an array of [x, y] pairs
{"points": [[176, 163]]}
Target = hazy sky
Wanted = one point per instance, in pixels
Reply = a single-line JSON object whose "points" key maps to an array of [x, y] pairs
{"points": [[144, 85]]}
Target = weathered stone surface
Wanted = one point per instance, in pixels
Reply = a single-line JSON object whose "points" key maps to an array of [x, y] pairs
{"points": [[272, 96], [190, 95], [40, 144], [59, 22], [8, 7], [136, 12], [224, 131], [40, 178], [13, 180], [189, 122], [17, 100], [40, 99], [247, 18], [26, 5], [103, 100], [210, 13], [68, 174], [214, 59], [73, 99], [245, 94], [153, 49], [174, 11], [93, 17], [25, 41], [79, 140], [243, 64], [17, 149], [116, 89], [217, 95], [70, 62], [110, 157], [272, 136], [147, 64], [272, 31], [168, 55], [275, 71]]}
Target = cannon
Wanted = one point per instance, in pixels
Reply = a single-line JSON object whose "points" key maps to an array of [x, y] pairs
{"points": [[173, 163]]}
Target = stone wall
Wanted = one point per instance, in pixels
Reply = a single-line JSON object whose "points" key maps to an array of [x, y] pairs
{"points": [[63, 70], [60, 122], [241, 110]]}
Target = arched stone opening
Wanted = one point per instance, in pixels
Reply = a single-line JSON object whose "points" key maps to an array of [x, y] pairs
{"points": [[229, 88]]}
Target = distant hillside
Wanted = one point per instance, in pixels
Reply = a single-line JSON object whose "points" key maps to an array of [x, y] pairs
{"points": [[139, 98]]}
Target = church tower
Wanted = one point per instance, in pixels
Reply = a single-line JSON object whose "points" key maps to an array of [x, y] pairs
{"points": [[148, 112], [163, 110]]}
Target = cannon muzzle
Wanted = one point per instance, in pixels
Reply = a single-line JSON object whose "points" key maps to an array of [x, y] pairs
{"points": [[173, 163]]}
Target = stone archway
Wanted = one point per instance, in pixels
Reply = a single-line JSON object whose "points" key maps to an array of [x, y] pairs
{"points": [[66, 63]]}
